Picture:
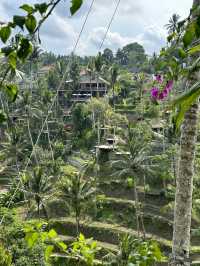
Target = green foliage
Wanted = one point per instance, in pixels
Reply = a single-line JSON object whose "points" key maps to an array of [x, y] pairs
{"points": [[188, 37], [108, 56], [98, 63], [130, 182], [31, 23], [82, 249], [137, 252], [132, 56], [184, 102], [2, 117], [182, 53], [77, 191], [194, 49], [5, 33], [136, 147], [25, 49], [29, 9], [37, 185], [5, 257], [19, 21], [52, 79], [76, 4], [74, 73], [9, 215], [173, 25], [12, 238], [12, 59], [164, 162], [42, 8], [36, 234], [12, 91], [81, 118], [85, 248]]}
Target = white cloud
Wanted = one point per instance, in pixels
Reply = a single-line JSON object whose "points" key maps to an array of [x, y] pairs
{"points": [[152, 38], [58, 35], [128, 7], [113, 40], [141, 21], [58, 27]]}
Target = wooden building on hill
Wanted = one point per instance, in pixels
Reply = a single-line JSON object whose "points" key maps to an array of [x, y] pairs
{"points": [[44, 70], [89, 87]]}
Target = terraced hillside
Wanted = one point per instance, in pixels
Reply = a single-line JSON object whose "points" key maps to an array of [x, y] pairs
{"points": [[115, 217]]}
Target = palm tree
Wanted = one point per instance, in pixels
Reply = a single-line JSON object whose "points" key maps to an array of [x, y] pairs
{"points": [[114, 73], [98, 63], [37, 186], [133, 164], [184, 182], [77, 190], [90, 70], [172, 26]]}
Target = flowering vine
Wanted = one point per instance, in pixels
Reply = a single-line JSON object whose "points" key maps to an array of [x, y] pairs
{"points": [[161, 89]]}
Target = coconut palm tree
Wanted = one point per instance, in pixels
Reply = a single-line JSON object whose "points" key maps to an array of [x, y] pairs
{"points": [[184, 182], [77, 190], [98, 63], [173, 23], [134, 163], [37, 186], [114, 74]]}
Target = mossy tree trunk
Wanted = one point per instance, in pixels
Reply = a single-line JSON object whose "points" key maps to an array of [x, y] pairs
{"points": [[184, 183], [184, 188]]}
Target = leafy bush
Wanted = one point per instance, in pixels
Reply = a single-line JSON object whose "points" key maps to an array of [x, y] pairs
{"points": [[5, 257], [136, 252], [86, 249], [9, 215], [12, 237]]}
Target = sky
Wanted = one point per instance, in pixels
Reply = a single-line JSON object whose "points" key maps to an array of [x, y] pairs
{"points": [[139, 21]]}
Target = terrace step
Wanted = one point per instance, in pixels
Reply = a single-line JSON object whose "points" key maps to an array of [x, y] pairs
{"points": [[148, 209], [105, 249], [113, 210], [101, 231], [109, 233], [119, 190]]}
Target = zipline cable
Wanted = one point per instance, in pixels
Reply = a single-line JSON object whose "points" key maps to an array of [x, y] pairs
{"points": [[109, 25], [51, 106], [106, 32], [58, 89]]}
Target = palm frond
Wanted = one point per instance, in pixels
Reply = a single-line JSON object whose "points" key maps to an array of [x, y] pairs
{"points": [[184, 102]]}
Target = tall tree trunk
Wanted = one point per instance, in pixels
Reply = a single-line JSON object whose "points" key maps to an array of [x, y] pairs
{"points": [[137, 209], [98, 93], [184, 188], [77, 221], [113, 92], [184, 184], [38, 208]]}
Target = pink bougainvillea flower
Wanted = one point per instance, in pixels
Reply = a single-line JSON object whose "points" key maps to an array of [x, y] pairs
{"points": [[161, 92], [154, 92], [159, 78], [169, 85], [165, 92], [161, 96]]}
